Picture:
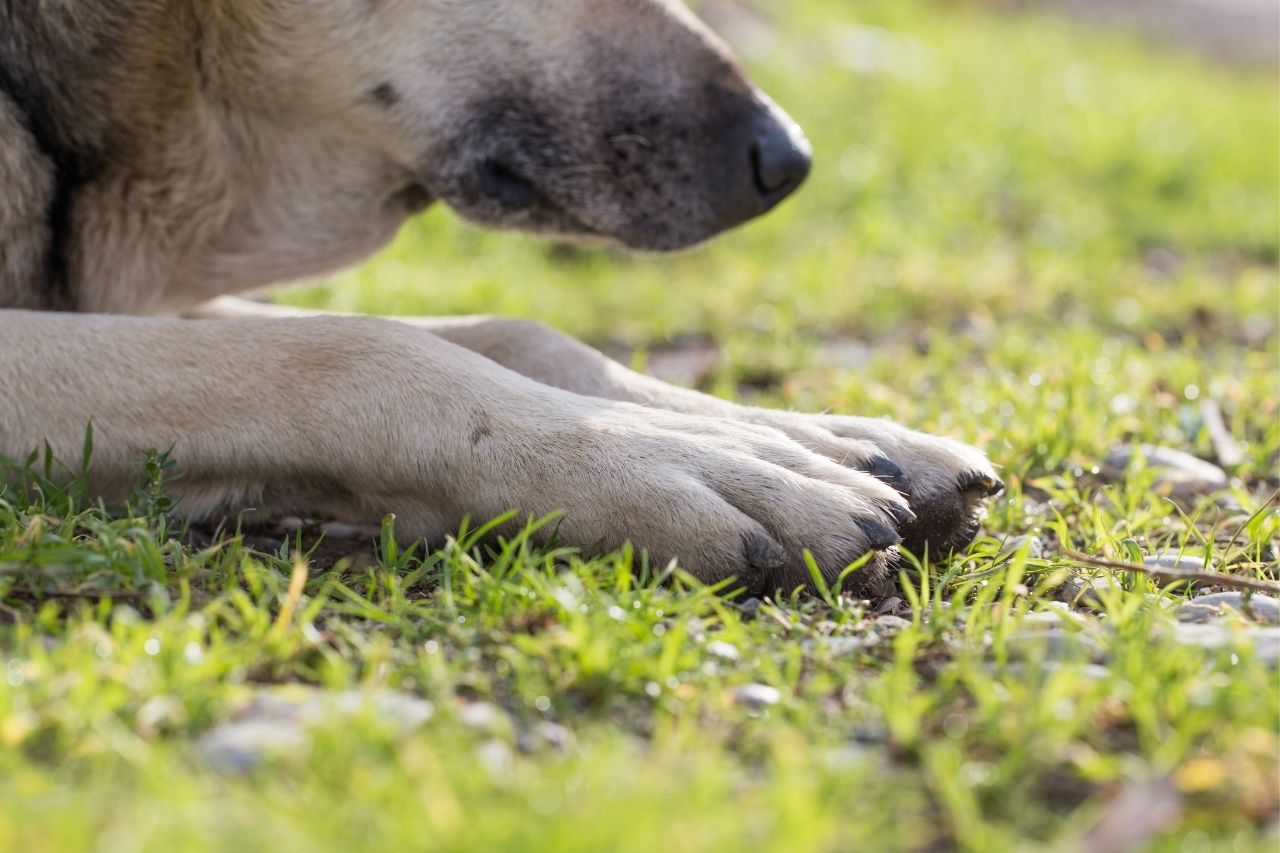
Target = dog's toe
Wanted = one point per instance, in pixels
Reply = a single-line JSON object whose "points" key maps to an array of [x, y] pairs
{"points": [[986, 484], [949, 520]]}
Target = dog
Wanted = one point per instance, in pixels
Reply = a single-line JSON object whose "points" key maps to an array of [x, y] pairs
{"points": [[159, 157]]}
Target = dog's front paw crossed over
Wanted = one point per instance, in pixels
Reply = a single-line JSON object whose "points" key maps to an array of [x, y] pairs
{"points": [[723, 498]]}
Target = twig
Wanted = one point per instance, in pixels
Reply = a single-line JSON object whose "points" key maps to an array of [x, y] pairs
{"points": [[92, 594], [1168, 575]]}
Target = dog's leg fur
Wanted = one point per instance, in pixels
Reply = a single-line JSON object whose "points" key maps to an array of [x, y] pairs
{"points": [[946, 482], [362, 417]]}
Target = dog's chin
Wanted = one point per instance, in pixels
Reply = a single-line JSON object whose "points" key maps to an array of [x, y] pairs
{"points": [[568, 230], [497, 194], [549, 222], [562, 226], [529, 210]]}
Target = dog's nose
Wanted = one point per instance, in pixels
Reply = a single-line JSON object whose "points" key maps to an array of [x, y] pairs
{"points": [[781, 157]]}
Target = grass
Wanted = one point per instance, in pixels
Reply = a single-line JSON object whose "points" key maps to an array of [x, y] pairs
{"points": [[1052, 241]]}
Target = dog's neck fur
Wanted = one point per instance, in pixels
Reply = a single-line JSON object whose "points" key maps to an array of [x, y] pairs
{"points": [[136, 176], [67, 117], [30, 259]]}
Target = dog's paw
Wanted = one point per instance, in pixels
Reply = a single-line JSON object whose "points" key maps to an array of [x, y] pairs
{"points": [[946, 483], [721, 497]]}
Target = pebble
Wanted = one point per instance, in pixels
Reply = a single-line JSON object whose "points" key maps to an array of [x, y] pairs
{"points": [[497, 758], [723, 650], [1014, 544], [1090, 671], [1057, 615], [1175, 561], [343, 530], [291, 524], [277, 722], [554, 735], [757, 696], [1087, 592], [242, 746], [842, 645], [1265, 642], [889, 605], [1221, 605], [484, 717], [1055, 644], [891, 624], [1177, 474]]}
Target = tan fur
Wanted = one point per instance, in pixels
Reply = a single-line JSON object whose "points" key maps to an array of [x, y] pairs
{"points": [[235, 144]]}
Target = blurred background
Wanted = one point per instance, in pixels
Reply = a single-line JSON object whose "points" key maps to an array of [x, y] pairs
{"points": [[1042, 226]]}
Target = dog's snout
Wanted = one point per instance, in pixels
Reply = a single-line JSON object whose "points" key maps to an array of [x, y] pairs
{"points": [[762, 160], [780, 158]]}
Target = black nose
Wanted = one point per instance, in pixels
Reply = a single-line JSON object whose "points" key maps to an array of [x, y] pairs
{"points": [[780, 157]]}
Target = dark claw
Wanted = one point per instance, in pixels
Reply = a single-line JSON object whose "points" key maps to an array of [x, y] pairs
{"points": [[764, 553], [879, 535], [976, 481], [901, 515], [884, 469]]}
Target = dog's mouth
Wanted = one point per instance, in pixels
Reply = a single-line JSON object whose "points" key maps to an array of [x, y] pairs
{"points": [[505, 185], [496, 192]]}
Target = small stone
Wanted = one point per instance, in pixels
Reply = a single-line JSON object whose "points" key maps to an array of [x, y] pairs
{"points": [[1177, 474], [278, 721], [757, 696], [244, 745], [1265, 642], [1055, 644], [1014, 544], [344, 531], [1056, 616], [1087, 592], [496, 757], [542, 735], [1090, 671], [842, 645], [1221, 605], [290, 524], [484, 717], [723, 650], [891, 624], [554, 735], [1175, 561], [889, 605], [849, 755]]}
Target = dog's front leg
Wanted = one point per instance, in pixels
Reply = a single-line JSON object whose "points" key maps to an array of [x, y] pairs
{"points": [[363, 417], [946, 482]]}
